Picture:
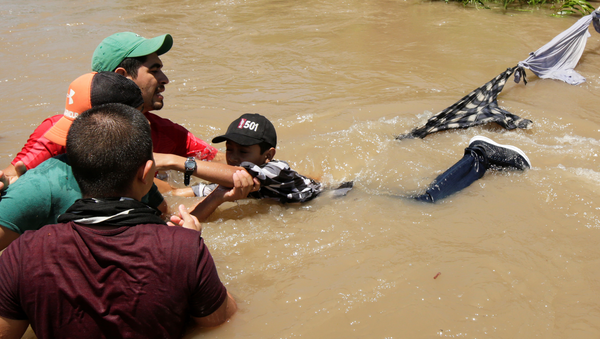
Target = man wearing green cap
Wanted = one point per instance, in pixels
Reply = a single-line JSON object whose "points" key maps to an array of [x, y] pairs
{"points": [[175, 147], [137, 58]]}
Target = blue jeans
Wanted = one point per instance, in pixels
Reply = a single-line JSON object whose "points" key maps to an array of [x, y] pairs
{"points": [[471, 167]]}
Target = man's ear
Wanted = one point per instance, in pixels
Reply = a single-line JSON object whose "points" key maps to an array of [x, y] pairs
{"points": [[123, 72], [269, 154], [146, 173]]}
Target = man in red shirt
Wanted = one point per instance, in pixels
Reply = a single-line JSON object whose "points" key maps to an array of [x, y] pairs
{"points": [[136, 58], [111, 267], [139, 59]]}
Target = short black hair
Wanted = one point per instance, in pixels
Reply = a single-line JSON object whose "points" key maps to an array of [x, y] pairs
{"points": [[109, 87], [264, 146], [106, 146], [131, 65]]}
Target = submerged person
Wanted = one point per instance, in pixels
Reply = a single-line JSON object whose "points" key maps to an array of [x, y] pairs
{"points": [[251, 144], [481, 154], [280, 182], [251, 141], [111, 268]]}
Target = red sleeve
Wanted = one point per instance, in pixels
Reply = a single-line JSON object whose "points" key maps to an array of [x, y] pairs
{"points": [[171, 138], [39, 149], [199, 148], [209, 293]]}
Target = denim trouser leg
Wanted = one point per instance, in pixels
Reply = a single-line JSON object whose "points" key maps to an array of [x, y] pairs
{"points": [[471, 167]]}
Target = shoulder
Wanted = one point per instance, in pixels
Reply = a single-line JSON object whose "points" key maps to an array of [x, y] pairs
{"points": [[33, 240], [49, 189], [276, 167], [160, 122], [58, 163], [178, 246], [188, 243], [39, 131], [175, 234], [185, 234], [52, 120], [56, 169], [30, 238], [46, 125]]}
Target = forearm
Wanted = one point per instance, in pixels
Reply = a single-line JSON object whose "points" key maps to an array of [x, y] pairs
{"points": [[207, 206], [214, 172], [243, 183]]}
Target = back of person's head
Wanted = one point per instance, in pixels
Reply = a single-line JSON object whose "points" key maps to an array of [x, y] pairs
{"points": [[115, 49], [250, 129], [106, 147], [91, 90]]}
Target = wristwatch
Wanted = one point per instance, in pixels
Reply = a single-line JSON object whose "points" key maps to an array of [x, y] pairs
{"points": [[190, 168]]}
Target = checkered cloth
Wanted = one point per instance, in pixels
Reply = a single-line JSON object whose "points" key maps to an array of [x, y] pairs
{"points": [[278, 181], [477, 108]]}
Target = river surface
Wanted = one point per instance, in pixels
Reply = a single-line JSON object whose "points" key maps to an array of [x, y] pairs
{"points": [[517, 252]]}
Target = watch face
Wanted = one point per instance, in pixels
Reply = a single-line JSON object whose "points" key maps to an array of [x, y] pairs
{"points": [[190, 164]]}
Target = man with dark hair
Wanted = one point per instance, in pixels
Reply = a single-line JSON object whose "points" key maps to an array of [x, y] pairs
{"points": [[111, 268], [138, 58], [50, 188], [105, 161]]}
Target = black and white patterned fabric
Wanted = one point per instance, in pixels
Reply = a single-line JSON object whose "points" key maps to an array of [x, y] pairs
{"points": [[278, 181], [477, 108]]}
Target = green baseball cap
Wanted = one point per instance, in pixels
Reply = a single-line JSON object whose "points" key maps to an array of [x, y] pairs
{"points": [[114, 49]]}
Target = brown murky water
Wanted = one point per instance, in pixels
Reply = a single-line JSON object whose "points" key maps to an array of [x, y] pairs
{"points": [[518, 252]]}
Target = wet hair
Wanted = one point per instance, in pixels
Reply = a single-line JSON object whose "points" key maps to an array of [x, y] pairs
{"points": [[264, 146], [131, 65], [106, 146]]}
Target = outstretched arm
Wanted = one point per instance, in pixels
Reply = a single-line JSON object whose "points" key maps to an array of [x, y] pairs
{"points": [[215, 172], [243, 183]]}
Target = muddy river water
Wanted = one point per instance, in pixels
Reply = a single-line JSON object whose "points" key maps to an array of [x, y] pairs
{"points": [[517, 252]]}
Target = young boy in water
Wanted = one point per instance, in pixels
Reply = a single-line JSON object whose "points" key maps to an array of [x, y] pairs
{"points": [[251, 141]]}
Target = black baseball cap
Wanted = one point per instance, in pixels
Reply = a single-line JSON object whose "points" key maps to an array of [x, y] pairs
{"points": [[250, 129]]}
